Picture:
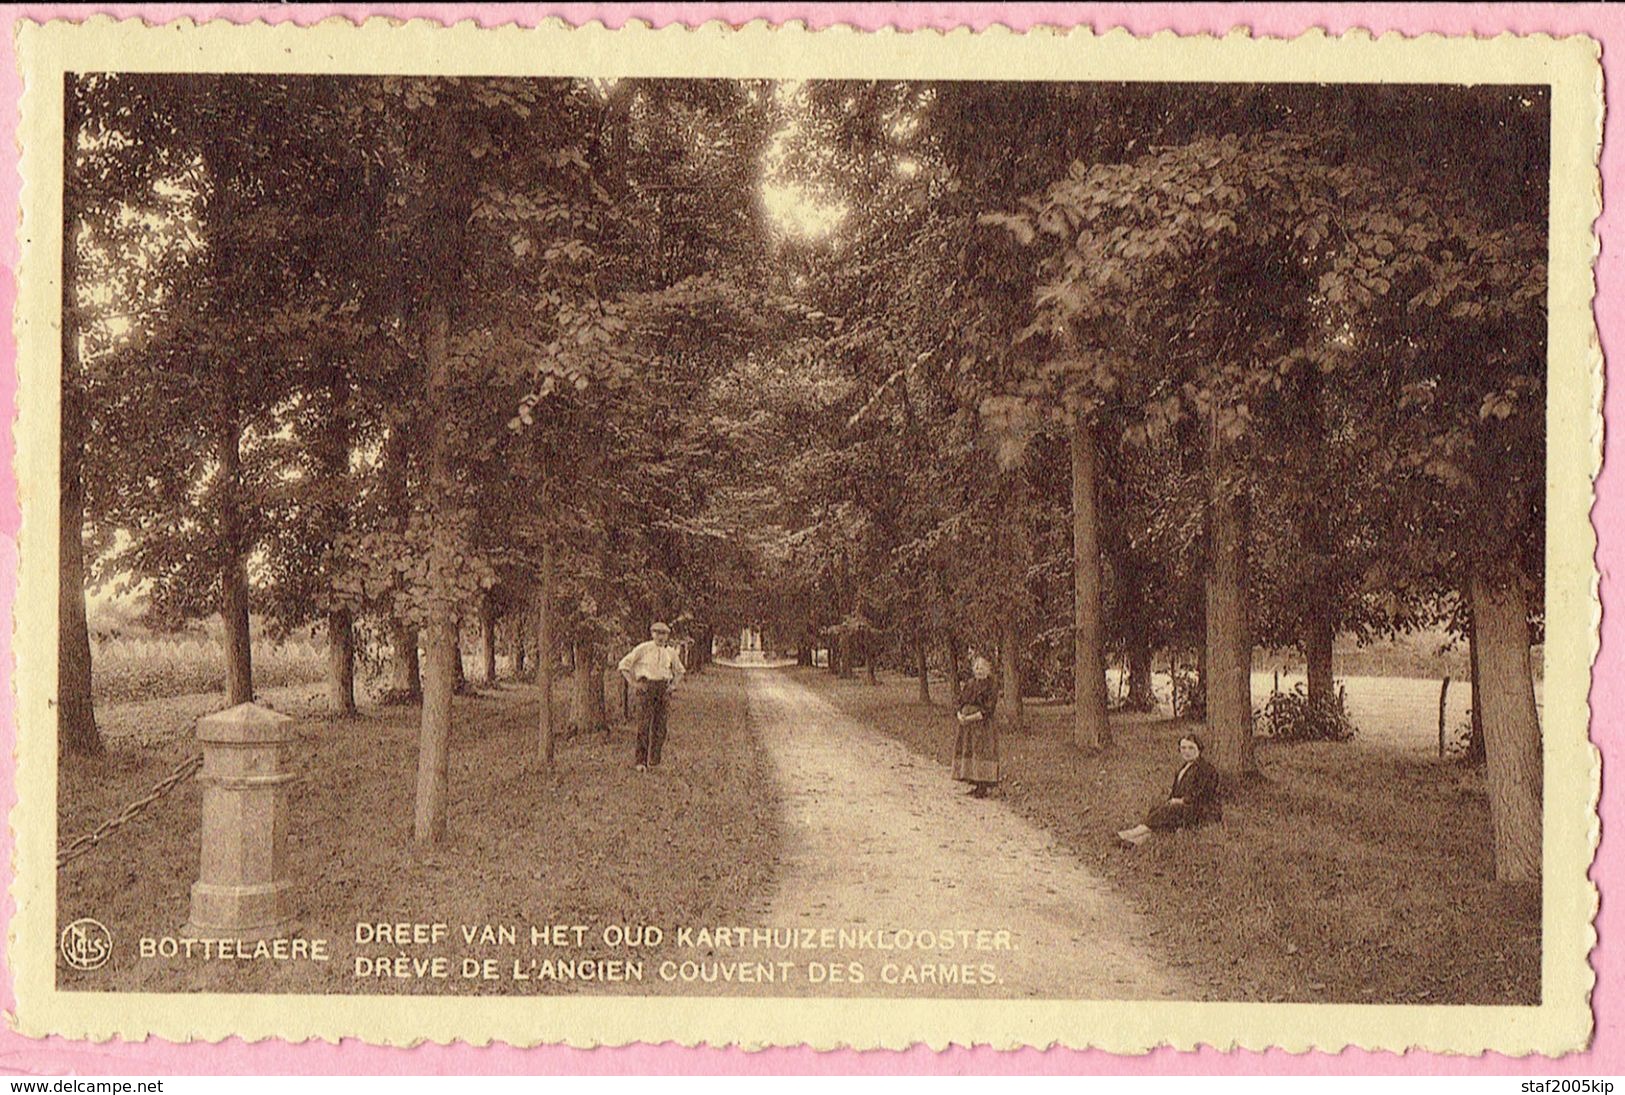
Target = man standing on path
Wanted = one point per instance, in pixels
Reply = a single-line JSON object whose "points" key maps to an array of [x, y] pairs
{"points": [[652, 670]]}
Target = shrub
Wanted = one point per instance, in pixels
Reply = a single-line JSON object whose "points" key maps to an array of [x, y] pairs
{"points": [[1293, 716], [1191, 696]]}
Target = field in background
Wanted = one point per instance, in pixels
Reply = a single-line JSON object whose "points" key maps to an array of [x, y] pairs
{"points": [[1392, 687], [1428, 654], [144, 667], [1399, 713], [164, 718], [131, 663]]}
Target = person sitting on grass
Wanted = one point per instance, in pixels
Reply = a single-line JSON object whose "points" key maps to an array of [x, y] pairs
{"points": [[976, 748], [1193, 801]]}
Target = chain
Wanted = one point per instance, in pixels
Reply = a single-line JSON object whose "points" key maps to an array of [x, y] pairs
{"points": [[83, 844]]}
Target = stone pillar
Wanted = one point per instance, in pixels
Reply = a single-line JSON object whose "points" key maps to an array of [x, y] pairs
{"points": [[242, 891]]}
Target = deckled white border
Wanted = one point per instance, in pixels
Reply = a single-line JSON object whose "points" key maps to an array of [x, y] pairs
{"points": [[1562, 1022]]}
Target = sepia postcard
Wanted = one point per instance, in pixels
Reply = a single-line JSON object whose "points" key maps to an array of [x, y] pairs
{"points": [[764, 536]]}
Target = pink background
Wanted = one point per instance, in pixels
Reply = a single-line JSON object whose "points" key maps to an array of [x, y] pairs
{"points": [[1607, 1056]]}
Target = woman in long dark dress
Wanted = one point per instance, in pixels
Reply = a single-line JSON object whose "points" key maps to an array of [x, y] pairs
{"points": [[976, 748], [1193, 801]]}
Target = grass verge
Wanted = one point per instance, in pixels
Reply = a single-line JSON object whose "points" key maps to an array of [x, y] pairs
{"points": [[1346, 874], [593, 843]]}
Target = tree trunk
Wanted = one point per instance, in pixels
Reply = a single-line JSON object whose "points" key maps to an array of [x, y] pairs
{"points": [[1010, 664], [434, 728], [234, 569], [696, 652], [1142, 695], [950, 644], [587, 706], [1089, 726], [1320, 623], [406, 680], [1511, 726], [1229, 645], [488, 646], [1317, 652], [1138, 631], [76, 710], [333, 447], [1014, 534], [922, 666], [849, 602], [340, 663], [440, 645], [544, 659], [406, 676], [521, 642], [869, 656], [1474, 753], [459, 671], [600, 704]]}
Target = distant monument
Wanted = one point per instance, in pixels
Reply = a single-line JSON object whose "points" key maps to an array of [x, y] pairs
{"points": [[750, 646]]}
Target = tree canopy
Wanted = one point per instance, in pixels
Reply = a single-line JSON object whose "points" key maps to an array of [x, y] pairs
{"points": [[1059, 373]]}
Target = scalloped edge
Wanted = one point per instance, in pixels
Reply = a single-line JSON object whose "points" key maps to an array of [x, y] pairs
{"points": [[33, 413]]}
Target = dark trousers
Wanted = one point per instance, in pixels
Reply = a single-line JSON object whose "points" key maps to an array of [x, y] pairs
{"points": [[652, 696]]}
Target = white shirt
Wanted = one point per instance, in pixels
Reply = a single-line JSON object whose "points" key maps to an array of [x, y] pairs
{"points": [[651, 661]]}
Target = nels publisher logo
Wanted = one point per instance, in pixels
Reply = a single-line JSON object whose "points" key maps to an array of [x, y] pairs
{"points": [[86, 944]]}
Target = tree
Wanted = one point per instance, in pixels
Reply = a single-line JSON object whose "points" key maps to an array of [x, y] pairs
{"points": [[464, 227], [188, 417], [1460, 304], [1152, 266], [1369, 280], [77, 733], [1122, 387]]}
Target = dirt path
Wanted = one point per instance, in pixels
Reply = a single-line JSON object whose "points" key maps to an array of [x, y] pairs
{"points": [[879, 838]]}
